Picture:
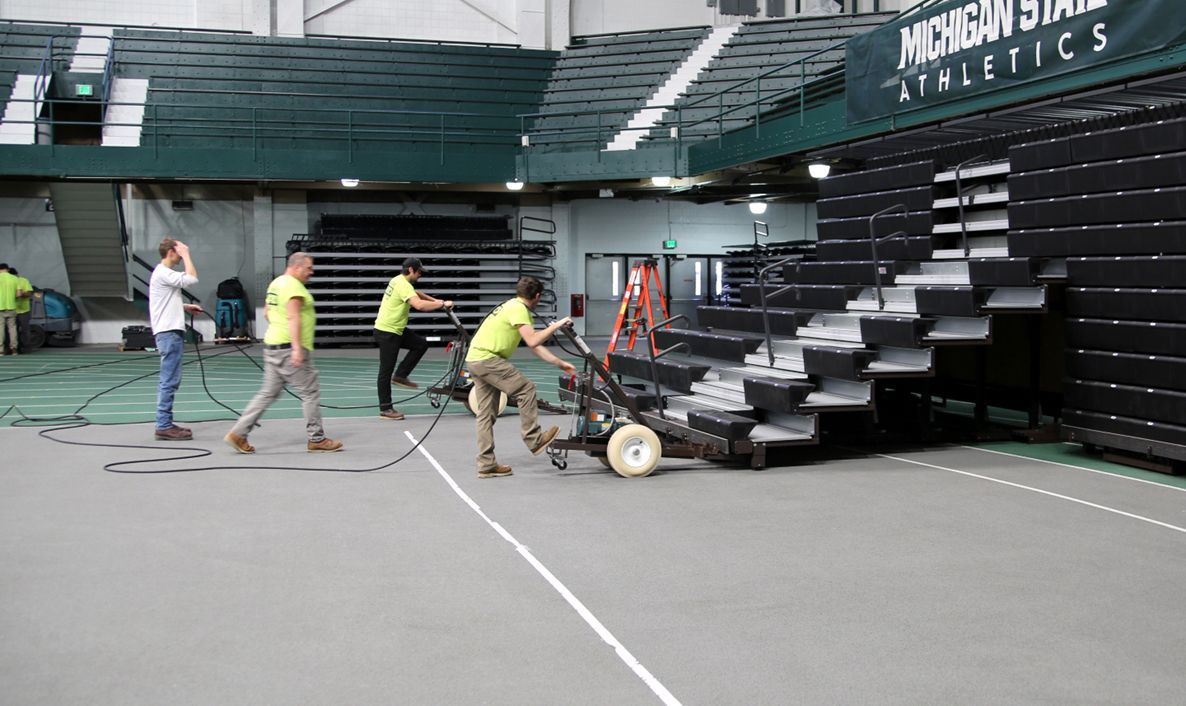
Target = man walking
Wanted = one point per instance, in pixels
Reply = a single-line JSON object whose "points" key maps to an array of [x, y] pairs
{"points": [[489, 366], [8, 298], [288, 358], [24, 303], [166, 314], [392, 332]]}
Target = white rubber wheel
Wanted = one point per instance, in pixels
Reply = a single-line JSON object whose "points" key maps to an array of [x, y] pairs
{"points": [[473, 401], [634, 451]]}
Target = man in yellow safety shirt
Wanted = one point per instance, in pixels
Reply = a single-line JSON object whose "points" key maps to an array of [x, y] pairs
{"points": [[490, 367], [392, 332], [288, 358], [24, 303]]}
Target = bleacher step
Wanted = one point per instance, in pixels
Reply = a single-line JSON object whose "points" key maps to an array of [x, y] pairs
{"points": [[974, 172]]}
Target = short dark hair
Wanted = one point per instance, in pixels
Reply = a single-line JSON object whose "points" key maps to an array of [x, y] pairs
{"points": [[413, 263], [166, 245], [529, 287], [3, 265], [12, 271]]}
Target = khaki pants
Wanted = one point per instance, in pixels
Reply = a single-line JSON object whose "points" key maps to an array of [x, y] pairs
{"points": [[278, 372], [8, 318], [492, 376]]}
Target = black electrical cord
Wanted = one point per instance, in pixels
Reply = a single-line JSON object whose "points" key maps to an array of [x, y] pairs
{"points": [[454, 370]]}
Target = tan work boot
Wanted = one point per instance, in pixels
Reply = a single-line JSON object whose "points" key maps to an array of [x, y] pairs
{"points": [[324, 446], [548, 436], [496, 472], [391, 414], [239, 443]]}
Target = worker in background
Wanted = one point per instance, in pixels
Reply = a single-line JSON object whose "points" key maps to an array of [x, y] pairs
{"points": [[392, 332], [24, 303], [288, 358], [489, 365], [9, 342], [166, 314]]}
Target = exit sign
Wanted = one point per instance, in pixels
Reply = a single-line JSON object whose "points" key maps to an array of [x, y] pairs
{"points": [[84, 89], [669, 244]]}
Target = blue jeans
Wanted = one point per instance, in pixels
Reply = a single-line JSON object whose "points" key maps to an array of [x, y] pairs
{"points": [[171, 345]]}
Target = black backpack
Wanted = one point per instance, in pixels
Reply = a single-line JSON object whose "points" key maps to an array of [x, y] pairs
{"points": [[232, 289]]}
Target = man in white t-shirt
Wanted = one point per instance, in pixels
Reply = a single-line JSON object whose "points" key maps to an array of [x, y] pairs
{"points": [[166, 311]]}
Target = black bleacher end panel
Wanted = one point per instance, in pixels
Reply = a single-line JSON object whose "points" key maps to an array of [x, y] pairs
{"points": [[1040, 155], [828, 297], [677, 375], [1127, 303], [776, 395], [729, 425], [1168, 406], [900, 331], [1137, 239], [1132, 141], [949, 301], [915, 223], [730, 318], [1169, 271], [1003, 272], [1126, 175], [842, 363], [896, 177], [1125, 426], [920, 247], [1128, 368], [919, 198], [709, 345], [1089, 209], [1148, 337]]}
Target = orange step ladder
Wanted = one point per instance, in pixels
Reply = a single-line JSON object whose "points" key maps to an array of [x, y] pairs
{"points": [[638, 293]]}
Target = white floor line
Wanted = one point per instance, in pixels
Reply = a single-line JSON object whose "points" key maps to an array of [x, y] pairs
{"points": [[1078, 468], [1105, 508], [649, 679]]}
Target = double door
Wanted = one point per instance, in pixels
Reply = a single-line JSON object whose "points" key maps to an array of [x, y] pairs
{"points": [[688, 282]]}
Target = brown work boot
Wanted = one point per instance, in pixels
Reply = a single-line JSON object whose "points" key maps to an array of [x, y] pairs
{"points": [[324, 446], [392, 414], [239, 443], [174, 433], [496, 472], [403, 382], [548, 436]]}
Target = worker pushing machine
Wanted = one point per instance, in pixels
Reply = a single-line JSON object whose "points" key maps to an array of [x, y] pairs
{"points": [[490, 367]]}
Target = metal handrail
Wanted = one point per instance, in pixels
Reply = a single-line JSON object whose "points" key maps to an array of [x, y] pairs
{"points": [[649, 333], [108, 75], [762, 275], [959, 199], [873, 240]]}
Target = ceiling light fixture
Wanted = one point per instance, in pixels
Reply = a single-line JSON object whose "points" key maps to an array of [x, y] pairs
{"points": [[349, 183], [661, 180], [757, 207], [515, 185], [819, 170]]}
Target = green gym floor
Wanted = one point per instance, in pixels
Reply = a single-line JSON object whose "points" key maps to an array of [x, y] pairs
{"points": [[111, 387]]}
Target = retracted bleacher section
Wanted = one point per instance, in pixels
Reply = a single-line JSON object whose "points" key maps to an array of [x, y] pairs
{"points": [[1113, 203], [475, 261], [600, 81], [246, 92]]}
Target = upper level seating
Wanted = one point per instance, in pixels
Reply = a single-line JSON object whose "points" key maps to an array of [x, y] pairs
{"points": [[730, 80], [600, 81], [238, 90], [22, 48]]}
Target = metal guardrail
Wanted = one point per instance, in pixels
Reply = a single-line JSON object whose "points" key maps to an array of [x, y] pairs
{"points": [[765, 309], [656, 355], [959, 199], [873, 240]]}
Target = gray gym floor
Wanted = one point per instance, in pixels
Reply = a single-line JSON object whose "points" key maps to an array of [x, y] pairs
{"points": [[941, 575]]}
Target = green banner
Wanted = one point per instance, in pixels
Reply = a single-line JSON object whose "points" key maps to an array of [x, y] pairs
{"points": [[963, 48]]}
